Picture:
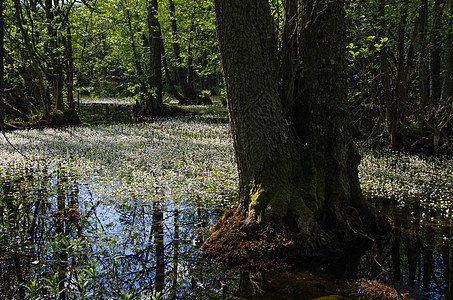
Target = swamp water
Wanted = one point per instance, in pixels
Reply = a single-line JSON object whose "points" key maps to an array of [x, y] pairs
{"points": [[119, 212]]}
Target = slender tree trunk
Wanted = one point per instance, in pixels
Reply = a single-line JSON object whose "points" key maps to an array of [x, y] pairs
{"points": [[41, 94], [154, 104], [67, 41], [2, 80], [55, 69], [423, 57], [173, 90], [435, 53], [190, 74], [447, 85]]}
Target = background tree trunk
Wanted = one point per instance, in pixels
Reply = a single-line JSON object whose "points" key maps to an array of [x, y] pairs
{"points": [[154, 104], [35, 68], [447, 85], [69, 60], [435, 53]]}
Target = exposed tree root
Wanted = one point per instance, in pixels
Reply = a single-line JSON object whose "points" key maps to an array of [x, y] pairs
{"points": [[238, 242]]}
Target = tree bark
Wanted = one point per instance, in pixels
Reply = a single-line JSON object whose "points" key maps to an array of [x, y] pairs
{"points": [[297, 174], [154, 104], [69, 63], [289, 52], [435, 53], [447, 85], [250, 70], [55, 67], [2, 81]]}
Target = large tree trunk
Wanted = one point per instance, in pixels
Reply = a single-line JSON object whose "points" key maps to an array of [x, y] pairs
{"points": [[298, 179]]}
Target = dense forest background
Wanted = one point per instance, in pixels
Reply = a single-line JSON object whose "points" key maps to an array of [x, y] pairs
{"points": [[56, 51]]}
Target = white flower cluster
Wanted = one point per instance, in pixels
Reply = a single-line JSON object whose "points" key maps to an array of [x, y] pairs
{"points": [[406, 177], [182, 158], [189, 159]]}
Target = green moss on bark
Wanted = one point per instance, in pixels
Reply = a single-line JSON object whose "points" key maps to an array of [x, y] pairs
{"points": [[315, 179]]}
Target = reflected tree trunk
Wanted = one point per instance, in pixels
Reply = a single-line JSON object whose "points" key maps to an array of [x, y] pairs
{"points": [[428, 258], [396, 256], [175, 250], [447, 255], [61, 234], [158, 234]]}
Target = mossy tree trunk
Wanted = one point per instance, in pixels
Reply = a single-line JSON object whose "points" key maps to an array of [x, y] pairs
{"points": [[297, 172]]}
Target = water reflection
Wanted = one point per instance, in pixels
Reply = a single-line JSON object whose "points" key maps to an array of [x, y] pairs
{"points": [[419, 253], [59, 240]]}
